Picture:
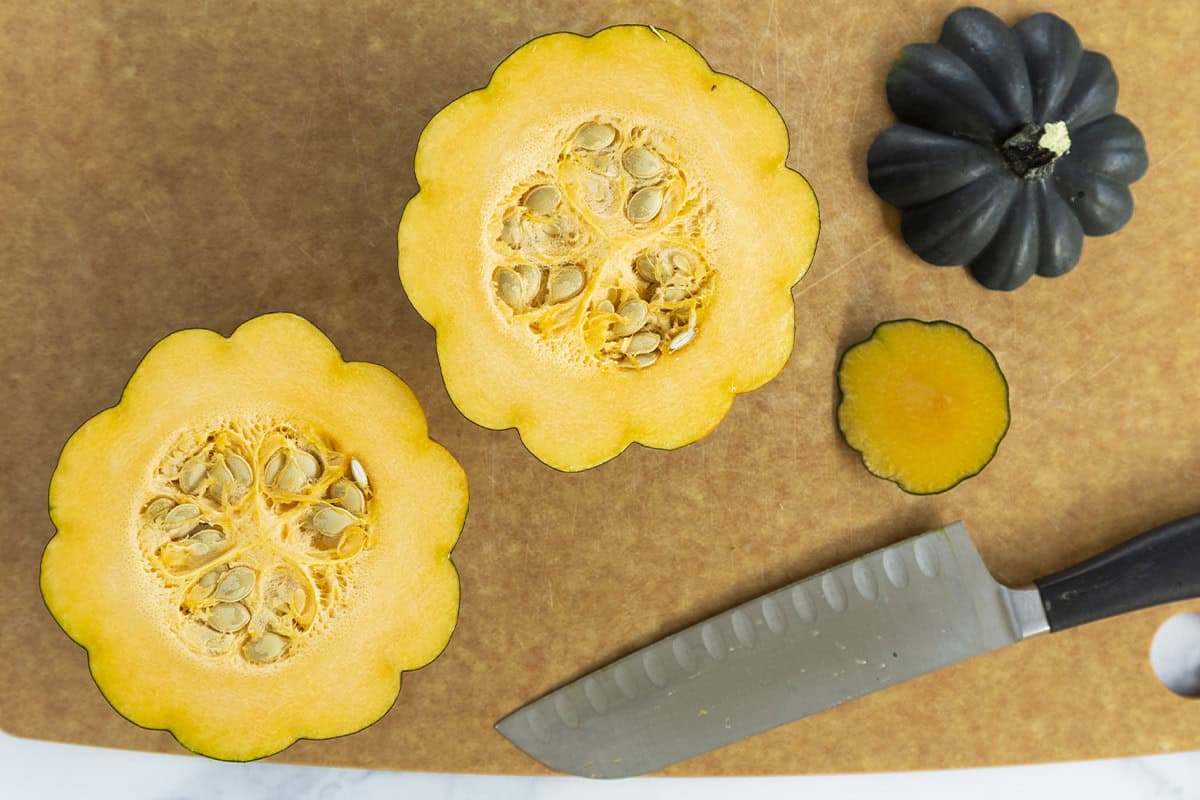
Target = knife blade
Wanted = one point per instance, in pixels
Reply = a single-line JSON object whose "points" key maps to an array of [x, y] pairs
{"points": [[886, 617]]}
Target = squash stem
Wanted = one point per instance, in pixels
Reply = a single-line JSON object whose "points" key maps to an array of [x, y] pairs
{"points": [[1031, 152]]}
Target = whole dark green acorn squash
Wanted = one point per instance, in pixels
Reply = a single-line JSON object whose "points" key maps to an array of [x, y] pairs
{"points": [[1008, 149]]}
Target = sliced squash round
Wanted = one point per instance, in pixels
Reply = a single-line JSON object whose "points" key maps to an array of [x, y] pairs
{"points": [[254, 543], [924, 403], [604, 239]]}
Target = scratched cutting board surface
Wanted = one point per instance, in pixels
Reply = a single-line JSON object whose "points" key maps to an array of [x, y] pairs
{"points": [[171, 165]]}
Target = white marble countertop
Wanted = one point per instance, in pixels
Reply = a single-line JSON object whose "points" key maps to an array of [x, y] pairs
{"points": [[46, 771]]}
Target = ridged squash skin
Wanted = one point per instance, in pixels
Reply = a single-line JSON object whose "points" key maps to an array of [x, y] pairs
{"points": [[113, 575], [730, 205], [924, 403], [965, 165]]}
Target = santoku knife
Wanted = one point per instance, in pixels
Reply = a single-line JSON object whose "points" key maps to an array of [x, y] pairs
{"points": [[873, 622]]}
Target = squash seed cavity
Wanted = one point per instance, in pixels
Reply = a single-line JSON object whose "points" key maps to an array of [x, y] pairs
{"points": [[254, 530], [601, 254]]}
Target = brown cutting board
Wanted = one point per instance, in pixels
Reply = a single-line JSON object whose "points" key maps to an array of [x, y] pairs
{"points": [[170, 165]]}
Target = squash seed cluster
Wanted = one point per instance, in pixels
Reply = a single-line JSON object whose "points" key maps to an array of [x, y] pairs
{"points": [[254, 529], [602, 255]]}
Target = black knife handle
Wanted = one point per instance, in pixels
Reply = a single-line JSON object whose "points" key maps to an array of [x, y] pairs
{"points": [[1159, 566]]}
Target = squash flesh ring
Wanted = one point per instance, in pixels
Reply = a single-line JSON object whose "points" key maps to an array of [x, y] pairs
{"points": [[924, 403], [604, 239], [261, 561]]}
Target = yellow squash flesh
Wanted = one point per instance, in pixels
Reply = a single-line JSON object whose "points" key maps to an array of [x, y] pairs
{"points": [[229, 427], [492, 259], [924, 403]]}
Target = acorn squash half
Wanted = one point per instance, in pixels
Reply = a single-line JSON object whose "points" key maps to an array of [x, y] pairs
{"points": [[254, 543], [604, 239]]}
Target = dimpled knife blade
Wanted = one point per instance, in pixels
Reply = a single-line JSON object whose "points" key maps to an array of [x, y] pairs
{"points": [[889, 616]]}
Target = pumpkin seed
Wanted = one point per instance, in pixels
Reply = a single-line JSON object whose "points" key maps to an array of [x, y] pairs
{"points": [[673, 294], [644, 204], [209, 537], [644, 342], [643, 360], [349, 496], [220, 482], [546, 236], [510, 232], [542, 199], [180, 515], [240, 468], [623, 328], [642, 163], [595, 136], [291, 479], [287, 599], [196, 550], [354, 500], [235, 584], [511, 289], [633, 317], [181, 532], [297, 602], [158, 507], [531, 278], [267, 647], [210, 578], [228, 617], [331, 520], [565, 284], [605, 307], [682, 339], [191, 476], [196, 594], [308, 464], [635, 310], [680, 262], [274, 465], [202, 589], [359, 474], [644, 266]]}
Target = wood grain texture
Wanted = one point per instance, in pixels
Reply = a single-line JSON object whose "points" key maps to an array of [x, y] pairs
{"points": [[170, 165]]}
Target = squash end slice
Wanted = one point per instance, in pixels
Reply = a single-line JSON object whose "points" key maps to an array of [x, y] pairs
{"points": [[960, 424]]}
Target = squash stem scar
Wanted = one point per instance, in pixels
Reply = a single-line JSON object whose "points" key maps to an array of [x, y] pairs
{"points": [[1031, 151]]}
